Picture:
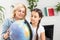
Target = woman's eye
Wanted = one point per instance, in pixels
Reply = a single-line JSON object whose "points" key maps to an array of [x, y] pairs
{"points": [[19, 11], [23, 12]]}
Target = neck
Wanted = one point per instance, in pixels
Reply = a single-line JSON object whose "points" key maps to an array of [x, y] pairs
{"points": [[34, 25], [19, 18]]}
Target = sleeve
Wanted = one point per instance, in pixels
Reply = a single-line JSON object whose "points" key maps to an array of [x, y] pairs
{"points": [[40, 30], [5, 27]]}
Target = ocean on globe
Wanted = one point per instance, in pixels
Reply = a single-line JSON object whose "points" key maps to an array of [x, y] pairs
{"points": [[19, 31]]}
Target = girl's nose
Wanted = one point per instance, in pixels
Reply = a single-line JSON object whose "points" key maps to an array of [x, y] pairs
{"points": [[33, 18]]}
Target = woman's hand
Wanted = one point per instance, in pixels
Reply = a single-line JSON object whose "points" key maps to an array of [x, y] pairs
{"points": [[6, 35]]}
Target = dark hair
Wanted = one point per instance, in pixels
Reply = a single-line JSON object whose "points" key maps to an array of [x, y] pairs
{"points": [[40, 15], [39, 12]]}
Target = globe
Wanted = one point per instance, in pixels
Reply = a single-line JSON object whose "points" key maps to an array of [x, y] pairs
{"points": [[19, 31]]}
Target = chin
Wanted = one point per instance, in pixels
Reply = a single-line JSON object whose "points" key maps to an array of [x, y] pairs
{"points": [[33, 22], [20, 17]]}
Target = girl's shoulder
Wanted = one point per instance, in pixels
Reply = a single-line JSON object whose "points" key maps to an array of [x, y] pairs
{"points": [[41, 28]]}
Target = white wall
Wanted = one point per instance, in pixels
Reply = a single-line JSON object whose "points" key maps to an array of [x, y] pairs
{"points": [[47, 20], [56, 21], [41, 4], [57, 29]]}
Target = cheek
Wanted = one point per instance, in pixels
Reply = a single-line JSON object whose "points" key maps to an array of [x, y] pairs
{"points": [[30, 19], [37, 19], [16, 14], [24, 14], [33, 20]]}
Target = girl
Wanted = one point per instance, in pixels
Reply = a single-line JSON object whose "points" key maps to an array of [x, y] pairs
{"points": [[37, 29]]}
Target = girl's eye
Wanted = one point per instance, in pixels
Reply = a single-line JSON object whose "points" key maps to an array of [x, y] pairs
{"points": [[31, 15], [34, 16]]}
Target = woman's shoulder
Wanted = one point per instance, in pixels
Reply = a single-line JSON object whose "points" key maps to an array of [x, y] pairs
{"points": [[9, 19], [7, 22]]}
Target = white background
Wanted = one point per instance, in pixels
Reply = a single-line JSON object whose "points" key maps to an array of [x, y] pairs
{"points": [[47, 20]]}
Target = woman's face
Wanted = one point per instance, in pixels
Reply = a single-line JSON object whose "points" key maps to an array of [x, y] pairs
{"points": [[20, 13], [35, 17]]}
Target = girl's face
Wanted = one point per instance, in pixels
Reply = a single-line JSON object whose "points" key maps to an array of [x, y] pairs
{"points": [[20, 13], [35, 17]]}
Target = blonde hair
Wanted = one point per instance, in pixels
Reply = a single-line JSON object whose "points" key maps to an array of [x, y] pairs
{"points": [[17, 7]]}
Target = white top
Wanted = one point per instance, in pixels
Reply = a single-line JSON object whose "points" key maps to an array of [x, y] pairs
{"points": [[40, 30]]}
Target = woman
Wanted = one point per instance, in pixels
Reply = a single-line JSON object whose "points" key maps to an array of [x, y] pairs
{"points": [[37, 29], [19, 13]]}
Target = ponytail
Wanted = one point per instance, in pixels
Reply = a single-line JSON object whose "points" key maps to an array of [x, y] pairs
{"points": [[37, 30]]}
